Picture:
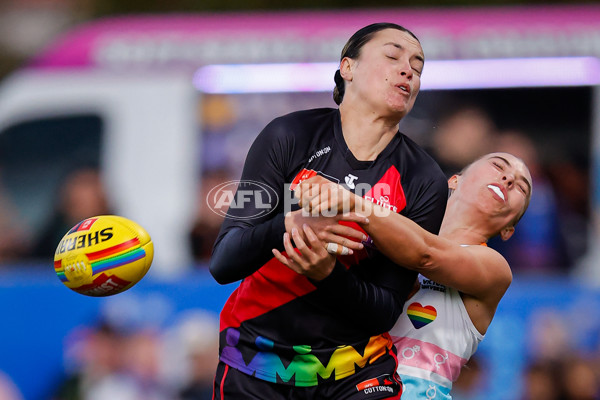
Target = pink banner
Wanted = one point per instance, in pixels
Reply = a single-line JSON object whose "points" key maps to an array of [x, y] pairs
{"points": [[190, 41]]}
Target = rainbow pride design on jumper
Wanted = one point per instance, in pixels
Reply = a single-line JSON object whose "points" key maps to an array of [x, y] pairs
{"points": [[305, 368], [112, 257], [421, 315]]}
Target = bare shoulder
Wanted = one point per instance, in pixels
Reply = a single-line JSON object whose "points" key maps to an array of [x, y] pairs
{"points": [[494, 260], [496, 272], [481, 304]]}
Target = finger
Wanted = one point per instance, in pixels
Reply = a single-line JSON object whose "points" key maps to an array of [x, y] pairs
{"points": [[313, 240], [343, 230], [315, 202], [351, 244], [300, 243], [298, 195], [287, 262], [280, 257], [287, 244], [298, 258], [303, 194], [354, 217], [334, 248], [330, 204], [308, 193]]}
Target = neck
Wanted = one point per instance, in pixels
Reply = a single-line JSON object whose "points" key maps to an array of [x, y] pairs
{"points": [[462, 235], [366, 133], [459, 228]]}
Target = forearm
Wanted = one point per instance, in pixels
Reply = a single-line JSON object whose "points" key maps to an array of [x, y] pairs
{"points": [[241, 251], [472, 270], [248, 234], [399, 238]]}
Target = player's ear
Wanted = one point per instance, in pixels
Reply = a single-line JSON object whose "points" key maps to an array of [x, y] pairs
{"points": [[346, 68], [507, 232], [453, 182]]}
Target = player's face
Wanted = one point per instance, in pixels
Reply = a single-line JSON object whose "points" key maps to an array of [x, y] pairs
{"points": [[387, 73], [499, 184]]}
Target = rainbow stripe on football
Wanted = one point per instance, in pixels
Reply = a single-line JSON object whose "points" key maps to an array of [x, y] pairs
{"points": [[103, 255]]}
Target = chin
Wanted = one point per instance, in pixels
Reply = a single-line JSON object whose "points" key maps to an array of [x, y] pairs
{"points": [[399, 112], [401, 109]]}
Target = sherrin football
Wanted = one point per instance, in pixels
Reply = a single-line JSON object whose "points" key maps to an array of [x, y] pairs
{"points": [[103, 255]]}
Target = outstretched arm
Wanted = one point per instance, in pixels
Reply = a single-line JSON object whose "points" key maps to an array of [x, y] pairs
{"points": [[474, 270]]}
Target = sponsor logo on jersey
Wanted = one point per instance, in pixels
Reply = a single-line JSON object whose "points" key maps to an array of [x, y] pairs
{"points": [[388, 192], [429, 284], [384, 383], [319, 153], [302, 176], [349, 179]]}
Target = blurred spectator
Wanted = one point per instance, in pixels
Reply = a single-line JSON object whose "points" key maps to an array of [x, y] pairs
{"points": [[541, 381], [549, 338], [141, 365], [14, 241], [217, 114], [225, 137], [198, 337], [105, 363], [8, 390], [207, 223], [572, 378], [470, 384], [573, 182], [538, 245], [579, 381], [93, 359], [462, 136], [81, 195]]}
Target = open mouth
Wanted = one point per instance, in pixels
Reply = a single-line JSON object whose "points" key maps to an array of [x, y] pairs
{"points": [[497, 190], [404, 88]]}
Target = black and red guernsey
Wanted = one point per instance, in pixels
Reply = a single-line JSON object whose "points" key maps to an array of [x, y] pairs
{"points": [[280, 326]]}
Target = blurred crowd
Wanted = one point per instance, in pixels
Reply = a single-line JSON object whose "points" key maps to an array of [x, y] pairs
{"points": [[133, 360], [80, 194], [147, 363]]}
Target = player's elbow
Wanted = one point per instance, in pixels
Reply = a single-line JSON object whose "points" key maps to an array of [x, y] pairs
{"points": [[426, 263], [427, 258], [219, 271]]}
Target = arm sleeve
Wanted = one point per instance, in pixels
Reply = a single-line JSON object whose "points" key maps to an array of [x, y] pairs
{"points": [[248, 234], [429, 211]]}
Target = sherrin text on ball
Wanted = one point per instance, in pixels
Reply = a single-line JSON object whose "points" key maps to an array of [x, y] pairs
{"points": [[103, 255]]}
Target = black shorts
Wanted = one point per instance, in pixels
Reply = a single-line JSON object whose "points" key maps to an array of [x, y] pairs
{"points": [[373, 383]]}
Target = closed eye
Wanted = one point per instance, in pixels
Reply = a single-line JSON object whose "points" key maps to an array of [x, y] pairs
{"points": [[498, 165]]}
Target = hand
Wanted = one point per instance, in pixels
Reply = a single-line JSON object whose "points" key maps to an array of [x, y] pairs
{"points": [[313, 261], [327, 229], [319, 195]]}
